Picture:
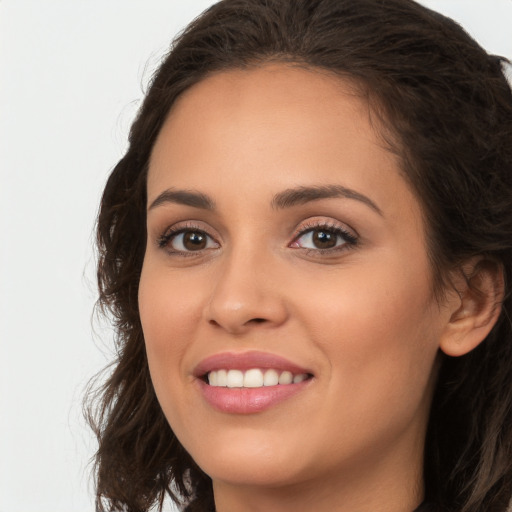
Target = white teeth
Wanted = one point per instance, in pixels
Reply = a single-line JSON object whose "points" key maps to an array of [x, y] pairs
{"points": [[253, 378], [271, 378], [235, 379], [286, 378], [212, 378], [222, 378]]}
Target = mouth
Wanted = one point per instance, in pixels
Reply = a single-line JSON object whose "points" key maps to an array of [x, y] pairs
{"points": [[250, 382], [253, 378]]}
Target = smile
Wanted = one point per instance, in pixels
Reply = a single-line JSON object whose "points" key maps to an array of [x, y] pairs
{"points": [[249, 382], [253, 378]]}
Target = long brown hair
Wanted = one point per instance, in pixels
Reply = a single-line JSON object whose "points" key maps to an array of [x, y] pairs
{"points": [[447, 111]]}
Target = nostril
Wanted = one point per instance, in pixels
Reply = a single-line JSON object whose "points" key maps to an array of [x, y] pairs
{"points": [[257, 320]]}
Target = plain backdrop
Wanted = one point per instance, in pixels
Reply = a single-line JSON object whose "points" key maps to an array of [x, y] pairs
{"points": [[72, 75]]}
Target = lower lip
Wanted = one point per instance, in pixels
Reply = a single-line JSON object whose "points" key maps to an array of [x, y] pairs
{"points": [[249, 400]]}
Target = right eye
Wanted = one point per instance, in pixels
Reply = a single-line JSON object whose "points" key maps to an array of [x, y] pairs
{"points": [[187, 240]]}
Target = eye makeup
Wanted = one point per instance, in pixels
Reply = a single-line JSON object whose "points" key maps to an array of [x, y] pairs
{"points": [[315, 237], [322, 237]]}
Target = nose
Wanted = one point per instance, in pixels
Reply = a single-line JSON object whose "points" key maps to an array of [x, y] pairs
{"points": [[247, 294]]}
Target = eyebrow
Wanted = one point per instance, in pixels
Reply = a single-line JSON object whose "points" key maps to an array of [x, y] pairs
{"points": [[302, 195], [285, 199], [184, 197]]}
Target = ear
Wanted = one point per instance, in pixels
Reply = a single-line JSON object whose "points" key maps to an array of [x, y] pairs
{"points": [[475, 307]]}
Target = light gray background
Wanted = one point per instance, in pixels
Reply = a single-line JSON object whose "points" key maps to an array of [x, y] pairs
{"points": [[72, 74]]}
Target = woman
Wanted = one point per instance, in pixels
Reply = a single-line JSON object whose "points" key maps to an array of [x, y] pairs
{"points": [[307, 249]]}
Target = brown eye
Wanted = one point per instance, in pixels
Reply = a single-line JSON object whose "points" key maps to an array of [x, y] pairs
{"points": [[323, 239], [188, 240], [194, 240]]}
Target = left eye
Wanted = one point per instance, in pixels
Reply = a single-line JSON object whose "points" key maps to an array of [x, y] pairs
{"points": [[191, 240], [322, 238]]}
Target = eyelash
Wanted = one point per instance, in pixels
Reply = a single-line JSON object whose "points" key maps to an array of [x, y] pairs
{"points": [[165, 239], [350, 240]]}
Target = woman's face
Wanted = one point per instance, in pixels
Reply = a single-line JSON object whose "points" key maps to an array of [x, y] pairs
{"points": [[284, 244]]}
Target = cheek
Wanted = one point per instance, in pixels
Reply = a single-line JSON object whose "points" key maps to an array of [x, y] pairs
{"points": [[170, 313], [378, 326]]}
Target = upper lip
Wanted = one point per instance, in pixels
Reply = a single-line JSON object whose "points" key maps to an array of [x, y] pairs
{"points": [[246, 361]]}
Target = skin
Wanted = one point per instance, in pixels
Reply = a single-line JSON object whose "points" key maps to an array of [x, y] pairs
{"points": [[362, 318]]}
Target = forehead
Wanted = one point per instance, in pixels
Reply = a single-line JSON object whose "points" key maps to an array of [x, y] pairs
{"points": [[280, 124], [280, 87], [274, 99]]}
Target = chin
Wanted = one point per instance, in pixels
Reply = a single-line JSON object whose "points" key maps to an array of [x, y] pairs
{"points": [[251, 460]]}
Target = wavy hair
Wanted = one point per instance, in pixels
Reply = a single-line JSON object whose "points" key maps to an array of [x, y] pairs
{"points": [[446, 110]]}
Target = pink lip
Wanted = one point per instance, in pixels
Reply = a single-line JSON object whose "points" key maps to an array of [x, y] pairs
{"points": [[245, 361], [247, 400]]}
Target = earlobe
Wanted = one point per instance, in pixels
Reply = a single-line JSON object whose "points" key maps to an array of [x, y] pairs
{"points": [[475, 308]]}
